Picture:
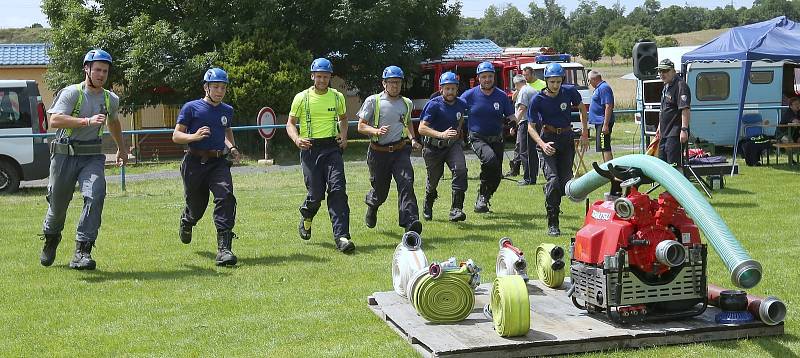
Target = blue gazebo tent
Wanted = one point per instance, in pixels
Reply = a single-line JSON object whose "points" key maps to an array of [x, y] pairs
{"points": [[777, 39]]}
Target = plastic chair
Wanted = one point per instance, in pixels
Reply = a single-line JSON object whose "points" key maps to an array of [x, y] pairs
{"points": [[753, 126]]}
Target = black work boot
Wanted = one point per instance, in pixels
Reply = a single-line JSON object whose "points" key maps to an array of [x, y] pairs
{"points": [[83, 256], [371, 218], [225, 256], [427, 206], [51, 242], [415, 226], [305, 228], [514, 171], [457, 207], [482, 204], [552, 224], [344, 244], [185, 233]]}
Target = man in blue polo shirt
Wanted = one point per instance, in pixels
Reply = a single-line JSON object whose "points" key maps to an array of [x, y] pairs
{"points": [[601, 114], [489, 108], [552, 109], [205, 125], [440, 124]]}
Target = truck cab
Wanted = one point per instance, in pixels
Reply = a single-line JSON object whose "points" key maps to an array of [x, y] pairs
{"points": [[22, 113]]}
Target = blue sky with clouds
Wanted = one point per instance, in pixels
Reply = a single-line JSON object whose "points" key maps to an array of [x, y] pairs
{"points": [[22, 13]]}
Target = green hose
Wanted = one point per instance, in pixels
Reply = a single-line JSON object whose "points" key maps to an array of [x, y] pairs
{"points": [[511, 307], [445, 299], [745, 272], [549, 269]]}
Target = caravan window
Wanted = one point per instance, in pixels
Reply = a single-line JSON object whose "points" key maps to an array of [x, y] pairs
{"points": [[761, 77], [11, 115], [713, 86]]}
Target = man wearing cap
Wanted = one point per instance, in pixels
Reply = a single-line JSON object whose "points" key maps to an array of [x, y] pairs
{"points": [[80, 112], [320, 112], [441, 124], [601, 114], [489, 109], [673, 121], [205, 126], [386, 119]]}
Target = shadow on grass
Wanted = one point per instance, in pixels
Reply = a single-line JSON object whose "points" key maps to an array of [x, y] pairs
{"points": [[31, 191], [735, 205], [729, 190], [361, 248], [774, 345], [99, 276], [268, 260]]}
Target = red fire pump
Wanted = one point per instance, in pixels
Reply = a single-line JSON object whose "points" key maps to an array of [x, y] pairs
{"points": [[638, 258]]}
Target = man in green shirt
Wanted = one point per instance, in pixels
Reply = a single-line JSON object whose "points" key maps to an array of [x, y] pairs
{"points": [[320, 112]]}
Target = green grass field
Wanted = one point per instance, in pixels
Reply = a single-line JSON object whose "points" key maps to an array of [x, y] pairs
{"points": [[153, 296]]}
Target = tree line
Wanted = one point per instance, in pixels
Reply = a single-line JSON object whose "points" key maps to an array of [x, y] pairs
{"points": [[593, 30]]}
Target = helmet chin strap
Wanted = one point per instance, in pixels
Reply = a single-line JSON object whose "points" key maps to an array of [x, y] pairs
{"points": [[89, 76], [208, 95]]}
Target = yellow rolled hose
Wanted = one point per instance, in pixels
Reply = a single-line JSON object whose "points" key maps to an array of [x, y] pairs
{"points": [[445, 299], [549, 265], [510, 306]]}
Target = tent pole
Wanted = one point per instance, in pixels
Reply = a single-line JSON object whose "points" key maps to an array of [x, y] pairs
{"points": [[746, 65]]}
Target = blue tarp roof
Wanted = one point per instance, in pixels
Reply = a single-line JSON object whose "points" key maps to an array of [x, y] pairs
{"points": [[776, 39], [24, 54], [473, 48]]}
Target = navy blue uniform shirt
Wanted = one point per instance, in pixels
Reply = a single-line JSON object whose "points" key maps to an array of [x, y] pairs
{"points": [[487, 113], [441, 116], [555, 111], [199, 113]]}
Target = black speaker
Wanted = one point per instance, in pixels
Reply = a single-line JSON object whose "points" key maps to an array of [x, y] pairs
{"points": [[645, 60]]}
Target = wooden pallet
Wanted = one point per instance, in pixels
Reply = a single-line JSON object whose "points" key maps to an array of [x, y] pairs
{"points": [[557, 327]]}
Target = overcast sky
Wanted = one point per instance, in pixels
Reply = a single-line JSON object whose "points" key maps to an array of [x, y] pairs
{"points": [[23, 13]]}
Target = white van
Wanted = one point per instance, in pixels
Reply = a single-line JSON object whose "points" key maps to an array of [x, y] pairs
{"points": [[22, 112]]}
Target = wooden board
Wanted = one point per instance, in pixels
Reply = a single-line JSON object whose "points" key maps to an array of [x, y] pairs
{"points": [[557, 327]]}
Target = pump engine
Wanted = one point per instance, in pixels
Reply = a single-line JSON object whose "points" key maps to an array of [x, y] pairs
{"points": [[637, 258]]}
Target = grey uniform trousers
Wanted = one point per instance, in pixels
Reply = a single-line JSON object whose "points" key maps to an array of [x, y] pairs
{"points": [[383, 166], [323, 169], [557, 168], [65, 171], [436, 158]]}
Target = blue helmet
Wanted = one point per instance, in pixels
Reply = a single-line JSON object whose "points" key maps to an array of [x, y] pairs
{"points": [[485, 67], [448, 78], [321, 65], [392, 72], [215, 74], [553, 70], [97, 55]]}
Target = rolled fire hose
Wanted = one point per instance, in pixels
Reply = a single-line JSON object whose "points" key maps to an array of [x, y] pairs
{"points": [[510, 260], [769, 310], [407, 260], [511, 306], [444, 296], [745, 271], [549, 265]]}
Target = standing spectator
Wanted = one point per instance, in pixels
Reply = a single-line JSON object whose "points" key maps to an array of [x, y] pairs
{"points": [[386, 119], [489, 108], [205, 125], [440, 124], [673, 122], [601, 114], [516, 162], [320, 111], [552, 109], [79, 112], [528, 154]]}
